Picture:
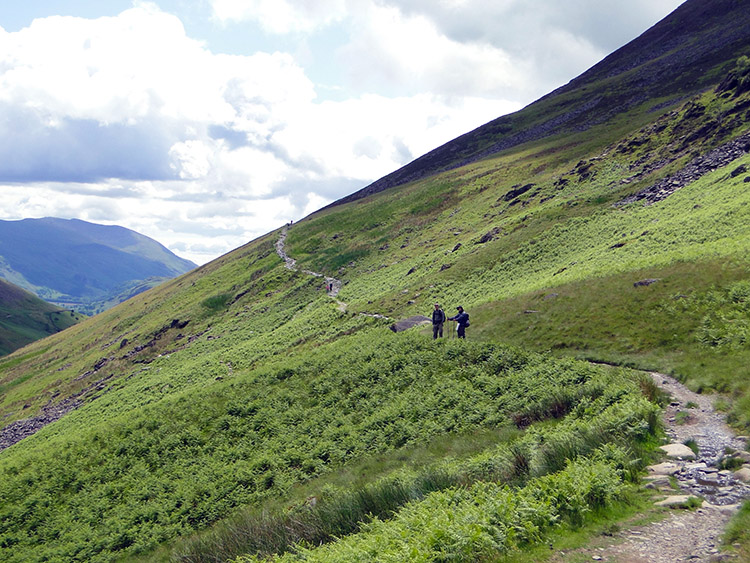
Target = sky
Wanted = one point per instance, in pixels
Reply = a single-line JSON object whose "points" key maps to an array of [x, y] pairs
{"points": [[204, 124]]}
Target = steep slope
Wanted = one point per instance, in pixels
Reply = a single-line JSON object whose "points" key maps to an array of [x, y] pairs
{"points": [[25, 318], [83, 265], [242, 381], [677, 58]]}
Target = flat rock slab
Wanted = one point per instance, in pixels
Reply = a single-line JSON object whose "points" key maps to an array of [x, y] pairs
{"points": [[678, 451], [666, 468], [406, 324], [676, 501], [660, 482]]}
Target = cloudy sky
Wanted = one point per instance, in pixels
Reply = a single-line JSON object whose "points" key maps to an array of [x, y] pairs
{"points": [[206, 123]]}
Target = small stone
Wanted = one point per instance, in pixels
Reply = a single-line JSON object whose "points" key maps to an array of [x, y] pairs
{"points": [[694, 466], [659, 482], [708, 479]]}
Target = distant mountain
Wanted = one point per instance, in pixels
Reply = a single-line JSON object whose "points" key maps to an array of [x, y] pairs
{"points": [[81, 265], [25, 318], [685, 53]]}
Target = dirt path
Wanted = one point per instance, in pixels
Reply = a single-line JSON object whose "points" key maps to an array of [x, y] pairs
{"points": [[685, 535], [333, 285]]}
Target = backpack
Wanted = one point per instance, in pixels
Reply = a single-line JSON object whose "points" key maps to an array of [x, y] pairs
{"points": [[467, 320]]}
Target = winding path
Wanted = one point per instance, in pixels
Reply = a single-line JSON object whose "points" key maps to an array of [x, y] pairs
{"points": [[332, 283], [685, 535]]}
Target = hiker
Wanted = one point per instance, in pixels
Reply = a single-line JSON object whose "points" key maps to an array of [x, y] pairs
{"points": [[462, 318], [438, 318]]}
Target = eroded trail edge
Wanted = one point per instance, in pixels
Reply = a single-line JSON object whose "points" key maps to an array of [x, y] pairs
{"points": [[686, 535]]}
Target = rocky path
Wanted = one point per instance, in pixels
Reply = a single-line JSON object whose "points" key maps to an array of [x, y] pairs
{"points": [[685, 535], [333, 285]]}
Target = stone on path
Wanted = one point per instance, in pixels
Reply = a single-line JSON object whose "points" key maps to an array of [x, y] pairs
{"points": [[678, 451], [676, 501], [743, 474], [666, 468], [659, 482]]}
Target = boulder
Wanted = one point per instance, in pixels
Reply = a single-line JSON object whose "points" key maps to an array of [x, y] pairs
{"points": [[405, 324], [743, 474]]}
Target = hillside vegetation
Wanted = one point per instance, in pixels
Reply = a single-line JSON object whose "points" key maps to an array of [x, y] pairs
{"points": [[25, 318], [239, 413]]}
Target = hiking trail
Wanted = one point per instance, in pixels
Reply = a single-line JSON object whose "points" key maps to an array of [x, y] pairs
{"points": [[684, 535], [333, 283]]}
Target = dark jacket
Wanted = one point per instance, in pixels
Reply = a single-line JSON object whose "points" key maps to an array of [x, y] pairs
{"points": [[462, 318], [438, 316]]}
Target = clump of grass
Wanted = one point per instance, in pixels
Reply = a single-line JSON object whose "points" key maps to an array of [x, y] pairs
{"points": [[731, 463], [216, 303], [722, 405], [682, 417], [738, 530], [693, 503], [693, 445]]}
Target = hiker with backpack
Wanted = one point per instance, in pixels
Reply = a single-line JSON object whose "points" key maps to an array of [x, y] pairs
{"points": [[438, 318], [462, 318]]}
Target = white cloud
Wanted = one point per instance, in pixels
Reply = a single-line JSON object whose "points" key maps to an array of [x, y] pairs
{"points": [[281, 16], [129, 120], [409, 52], [191, 159]]}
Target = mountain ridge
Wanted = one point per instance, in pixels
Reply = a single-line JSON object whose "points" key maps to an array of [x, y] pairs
{"points": [[667, 55], [25, 318]]}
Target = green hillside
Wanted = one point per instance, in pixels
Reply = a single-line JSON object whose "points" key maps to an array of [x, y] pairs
{"points": [[239, 412], [25, 318]]}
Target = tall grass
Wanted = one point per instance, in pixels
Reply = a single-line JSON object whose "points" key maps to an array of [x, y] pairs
{"points": [[336, 513]]}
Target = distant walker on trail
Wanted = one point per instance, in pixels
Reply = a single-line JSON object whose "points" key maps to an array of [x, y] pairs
{"points": [[438, 318], [462, 318]]}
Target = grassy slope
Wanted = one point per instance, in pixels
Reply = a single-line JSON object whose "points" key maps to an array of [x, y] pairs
{"points": [[197, 418], [25, 318], [564, 237]]}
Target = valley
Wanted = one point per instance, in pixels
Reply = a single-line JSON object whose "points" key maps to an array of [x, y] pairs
{"points": [[260, 408]]}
